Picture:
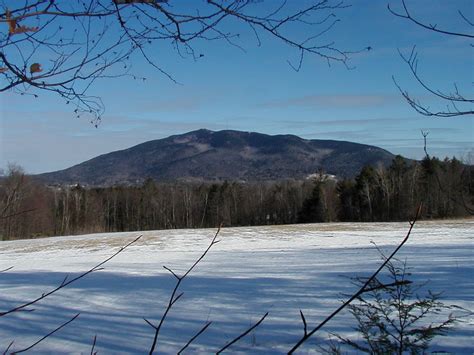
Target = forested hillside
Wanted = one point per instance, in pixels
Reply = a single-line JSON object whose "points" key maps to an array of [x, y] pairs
{"points": [[446, 189]]}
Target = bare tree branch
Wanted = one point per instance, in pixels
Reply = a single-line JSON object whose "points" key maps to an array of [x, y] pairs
{"points": [[202, 330], [457, 104], [66, 282], [425, 135], [305, 325], [46, 336], [174, 294], [93, 352], [242, 335], [452, 98], [8, 348], [361, 290], [65, 46], [407, 15]]}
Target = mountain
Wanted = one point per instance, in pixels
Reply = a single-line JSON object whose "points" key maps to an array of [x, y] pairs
{"points": [[223, 155]]}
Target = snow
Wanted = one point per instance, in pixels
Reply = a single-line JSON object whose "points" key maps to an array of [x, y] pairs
{"points": [[252, 270]]}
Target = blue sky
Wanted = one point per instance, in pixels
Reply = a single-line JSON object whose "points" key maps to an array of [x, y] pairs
{"points": [[257, 90]]}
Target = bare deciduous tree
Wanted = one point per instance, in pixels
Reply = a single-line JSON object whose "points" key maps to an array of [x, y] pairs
{"points": [[14, 191], [64, 46]]}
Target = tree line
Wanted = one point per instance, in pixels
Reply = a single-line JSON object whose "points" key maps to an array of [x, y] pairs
{"points": [[29, 209]]}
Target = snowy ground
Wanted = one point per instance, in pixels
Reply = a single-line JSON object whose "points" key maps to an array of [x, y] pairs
{"points": [[279, 269]]}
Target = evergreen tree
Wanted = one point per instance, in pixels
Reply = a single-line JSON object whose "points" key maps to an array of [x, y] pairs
{"points": [[393, 319], [313, 209]]}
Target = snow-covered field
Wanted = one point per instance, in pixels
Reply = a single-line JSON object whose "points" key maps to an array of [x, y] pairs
{"points": [[277, 269]]}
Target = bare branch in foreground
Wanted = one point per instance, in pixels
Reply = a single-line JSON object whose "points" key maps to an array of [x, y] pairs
{"points": [[65, 46], [243, 334], [305, 325], [457, 103], [174, 296], [361, 289], [47, 335], [405, 14], [8, 347], [66, 283], [93, 352], [202, 330]]}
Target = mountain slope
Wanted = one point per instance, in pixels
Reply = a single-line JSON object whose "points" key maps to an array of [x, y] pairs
{"points": [[231, 155]]}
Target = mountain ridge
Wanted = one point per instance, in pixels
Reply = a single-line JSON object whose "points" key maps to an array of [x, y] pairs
{"points": [[207, 155]]}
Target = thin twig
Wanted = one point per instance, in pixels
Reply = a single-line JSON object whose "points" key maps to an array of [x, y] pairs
{"points": [[8, 347], [47, 335], [202, 330], [243, 334], [93, 352], [305, 325], [407, 15], [385, 286]]}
